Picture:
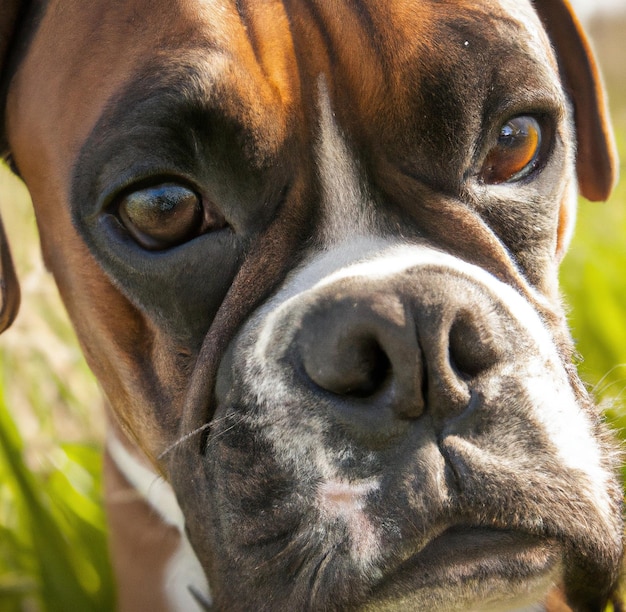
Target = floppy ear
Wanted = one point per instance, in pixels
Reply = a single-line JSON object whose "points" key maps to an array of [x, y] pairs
{"points": [[596, 162], [9, 11], [9, 287]]}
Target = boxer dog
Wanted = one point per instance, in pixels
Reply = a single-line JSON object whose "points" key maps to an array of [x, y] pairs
{"points": [[310, 249]]}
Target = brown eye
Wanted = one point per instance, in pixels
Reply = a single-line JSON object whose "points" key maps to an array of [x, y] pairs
{"points": [[161, 216], [515, 153]]}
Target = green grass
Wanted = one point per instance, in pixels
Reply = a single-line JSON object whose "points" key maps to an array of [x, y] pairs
{"points": [[53, 552], [52, 530], [593, 275], [594, 279]]}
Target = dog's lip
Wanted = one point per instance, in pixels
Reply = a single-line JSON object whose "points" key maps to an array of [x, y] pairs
{"points": [[463, 552]]}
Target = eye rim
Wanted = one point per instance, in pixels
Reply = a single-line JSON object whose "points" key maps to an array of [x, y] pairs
{"points": [[536, 162], [209, 218]]}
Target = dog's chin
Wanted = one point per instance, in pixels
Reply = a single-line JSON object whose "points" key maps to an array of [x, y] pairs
{"points": [[471, 568], [319, 545], [463, 568]]}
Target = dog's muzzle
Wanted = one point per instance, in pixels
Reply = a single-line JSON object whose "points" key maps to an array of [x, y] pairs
{"points": [[401, 428]]}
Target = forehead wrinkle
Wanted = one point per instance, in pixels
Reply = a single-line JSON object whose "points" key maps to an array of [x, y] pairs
{"points": [[267, 27], [185, 96]]}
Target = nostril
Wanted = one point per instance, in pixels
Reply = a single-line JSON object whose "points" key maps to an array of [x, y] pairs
{"points": [[351, 365], [472, 346], [359, 356], [362, 348]]}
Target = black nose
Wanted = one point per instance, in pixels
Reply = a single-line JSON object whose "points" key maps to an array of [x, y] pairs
{"points": [[398, 350]]}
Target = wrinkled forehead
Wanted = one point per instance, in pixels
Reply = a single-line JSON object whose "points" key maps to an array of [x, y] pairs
{"points": [[386, 65], [99, 49], [83, 57]]}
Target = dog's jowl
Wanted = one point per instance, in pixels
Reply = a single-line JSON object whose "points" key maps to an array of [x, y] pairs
{"points": [[310, 250]]}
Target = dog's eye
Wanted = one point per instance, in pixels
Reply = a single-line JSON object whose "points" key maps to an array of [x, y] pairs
{"points": [[161, 216], [516, 152]]}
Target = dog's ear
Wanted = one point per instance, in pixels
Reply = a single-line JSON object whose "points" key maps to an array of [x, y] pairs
{"points": [[9, 13], [9, 287], [12, 14], [596, 163]]}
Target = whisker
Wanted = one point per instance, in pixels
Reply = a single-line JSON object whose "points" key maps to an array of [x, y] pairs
{"points": [[183, 439], [198, 431], [224, 431], [600, 387]]}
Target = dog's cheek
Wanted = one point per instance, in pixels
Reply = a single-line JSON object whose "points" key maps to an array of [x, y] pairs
{"points": [[253, 516]]}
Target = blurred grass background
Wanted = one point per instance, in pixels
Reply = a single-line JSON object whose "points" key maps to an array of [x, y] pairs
{"points": [[53, 553], [52, 529], [593, 275]]}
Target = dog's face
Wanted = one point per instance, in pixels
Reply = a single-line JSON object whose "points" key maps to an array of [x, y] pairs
{"points": [[310, 250]]}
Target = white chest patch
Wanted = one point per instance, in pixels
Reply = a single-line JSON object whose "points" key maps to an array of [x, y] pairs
{"points": [[184, 573]]}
